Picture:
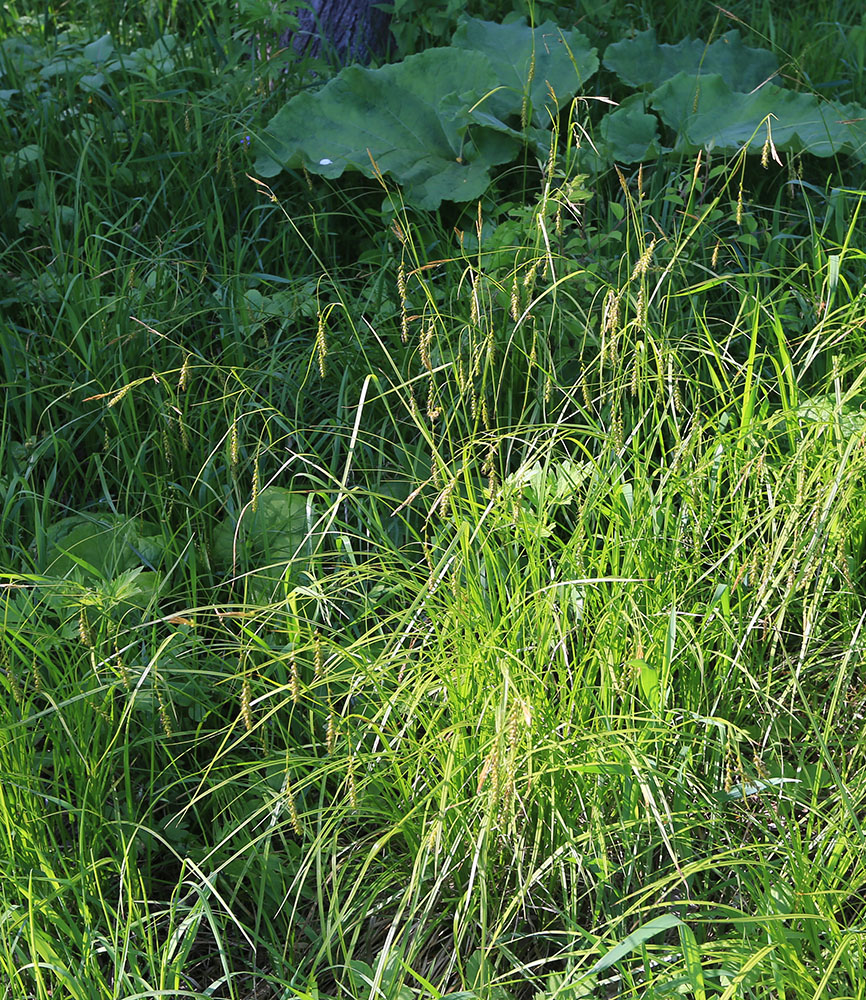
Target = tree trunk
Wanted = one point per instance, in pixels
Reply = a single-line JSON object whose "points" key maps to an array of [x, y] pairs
{"points": [[354, 30]]}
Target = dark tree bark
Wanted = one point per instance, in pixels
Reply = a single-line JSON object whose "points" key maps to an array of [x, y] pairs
{"points": [[354, 30]]}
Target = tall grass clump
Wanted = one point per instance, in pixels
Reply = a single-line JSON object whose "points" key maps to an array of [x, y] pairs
{"points": [[402, 606]]}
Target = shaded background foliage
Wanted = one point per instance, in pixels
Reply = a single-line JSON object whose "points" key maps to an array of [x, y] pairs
{"points": [[396, 598], [355, 30]]}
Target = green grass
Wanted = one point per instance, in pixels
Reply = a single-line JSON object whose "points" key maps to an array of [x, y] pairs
{"points": [[460, 606]]}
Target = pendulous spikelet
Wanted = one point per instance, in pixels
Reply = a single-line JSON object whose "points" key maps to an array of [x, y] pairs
{"points": [[291, 805], [294, 681], [234, 445], [321, 344]]}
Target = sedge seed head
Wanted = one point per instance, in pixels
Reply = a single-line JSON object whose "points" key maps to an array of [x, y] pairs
{"points": [[256, 487], [644, 260], [318, 656], [610, 313], [353, 785], [234, 445], [246, 703], [184, 434], [84, 629], [294, 682], [164, 718], [485, 415], [321, 344], [116, 398], [426, 339], [14, 684], [294, 817]]}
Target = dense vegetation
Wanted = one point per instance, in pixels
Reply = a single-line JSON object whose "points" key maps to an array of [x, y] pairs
{"points": [[417, 604]]}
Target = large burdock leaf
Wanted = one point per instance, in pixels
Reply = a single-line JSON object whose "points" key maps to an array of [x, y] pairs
{"points": [[439, 121], [532, 63], [101, 546], [629, 134], [641, 62], [718, 97], [412, 119], [708, 114], [112, 557], [269, 545]]}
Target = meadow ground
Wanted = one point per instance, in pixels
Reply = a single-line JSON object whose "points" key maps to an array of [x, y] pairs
{"points": [[419, 605]]}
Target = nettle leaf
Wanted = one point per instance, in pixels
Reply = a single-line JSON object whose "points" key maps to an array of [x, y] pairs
{"points": [[641, 62], [707, 114], [136, 587], [405, 117], [558, 484], [530, 62]]}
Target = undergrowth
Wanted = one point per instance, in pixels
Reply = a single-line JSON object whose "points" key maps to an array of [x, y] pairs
{"points": [[399, 605]]}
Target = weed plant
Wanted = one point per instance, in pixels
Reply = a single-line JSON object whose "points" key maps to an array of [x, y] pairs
{"points": [[403, 606]]}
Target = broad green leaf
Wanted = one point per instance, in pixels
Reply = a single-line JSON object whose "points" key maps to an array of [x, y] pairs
{"points": [[92, 81], [28, 218], [707, 114], [99, 50], [634, 941], [105, 546], [558, 484], [17, 57], [629, 134], [136, 587], [648, 679], [529, 63], [267, 543], [404, 117], [642, 62], [23, 156], [744, 790], [569, 476], [158, 55], [823, 410], [59, 66], [439, 121], [537, 138], [692, 956]]}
